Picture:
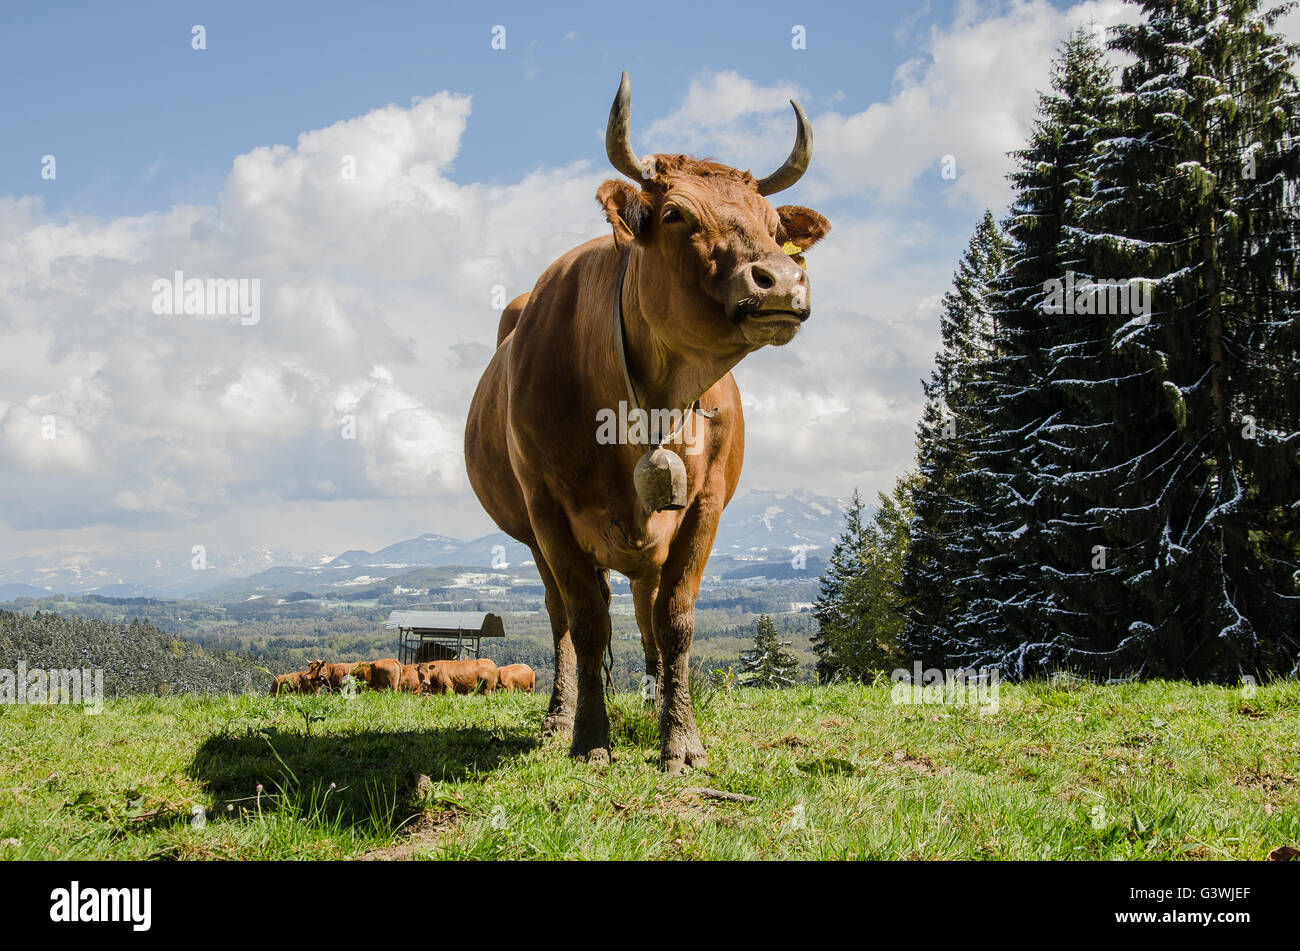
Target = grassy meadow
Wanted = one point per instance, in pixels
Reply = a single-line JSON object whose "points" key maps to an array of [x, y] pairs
{"points": [[1068, 771]]}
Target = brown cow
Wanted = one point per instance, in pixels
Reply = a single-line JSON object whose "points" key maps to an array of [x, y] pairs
{"points": [[383, 674], [318, 672], [462, 676], [323, 674], [516, 677], [433, 680], [296, 682], [697, 274], [410, 682]]}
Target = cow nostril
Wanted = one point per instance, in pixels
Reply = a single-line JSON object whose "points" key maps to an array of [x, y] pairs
{"points": [[763, 279]]}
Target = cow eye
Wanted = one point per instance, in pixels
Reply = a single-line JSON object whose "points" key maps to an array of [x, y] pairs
{"points": [[671, 215]]}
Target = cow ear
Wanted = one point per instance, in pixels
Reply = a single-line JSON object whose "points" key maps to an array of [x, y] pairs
{"points": [[801, 226], [625, 210]]}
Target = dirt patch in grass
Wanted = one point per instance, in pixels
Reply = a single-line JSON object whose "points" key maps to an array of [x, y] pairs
{"points": [[916, 762], [427, 833], [1265, 782], [790, 740]]}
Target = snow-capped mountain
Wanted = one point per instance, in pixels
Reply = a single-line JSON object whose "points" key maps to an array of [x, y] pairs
{"points": [[141, 573], [760, 523], [428, 549], [758, 526]]}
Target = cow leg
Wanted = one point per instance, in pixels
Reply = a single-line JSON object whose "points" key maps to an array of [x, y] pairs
{"points": [[674, 627], [644, 590], [584, 600], [585, 591], [564, 694]]}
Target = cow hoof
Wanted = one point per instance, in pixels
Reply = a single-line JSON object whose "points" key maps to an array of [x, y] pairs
{"points": [[693, 757], [591, 745], [557, 724], [674, 766], [594, 757]]}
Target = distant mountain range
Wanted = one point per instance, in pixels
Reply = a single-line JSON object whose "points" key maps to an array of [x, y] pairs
{"points": [[759, 526], [760, 523], [438, 551], [139, 573]]}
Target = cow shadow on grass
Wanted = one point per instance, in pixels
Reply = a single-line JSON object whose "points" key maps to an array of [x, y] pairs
{"points": [[373, 779]]}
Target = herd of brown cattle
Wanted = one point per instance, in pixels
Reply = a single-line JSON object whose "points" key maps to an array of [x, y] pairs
{"points": [[439, 676]]}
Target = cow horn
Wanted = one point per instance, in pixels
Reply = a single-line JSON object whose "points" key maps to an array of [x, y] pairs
{"points": [[618, 134], [796, 164]]}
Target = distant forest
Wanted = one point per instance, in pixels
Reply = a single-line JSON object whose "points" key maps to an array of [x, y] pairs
{"points": [[135, 657]]}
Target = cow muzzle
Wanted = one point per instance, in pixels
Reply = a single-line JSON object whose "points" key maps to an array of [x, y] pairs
{"points": [[772, 289]]}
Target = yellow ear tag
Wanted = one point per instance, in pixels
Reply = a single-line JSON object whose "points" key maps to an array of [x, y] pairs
{"points": [[795, 253]]}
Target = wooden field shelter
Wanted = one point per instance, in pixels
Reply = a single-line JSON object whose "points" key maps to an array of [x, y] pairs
{"points": [[442, 635]]}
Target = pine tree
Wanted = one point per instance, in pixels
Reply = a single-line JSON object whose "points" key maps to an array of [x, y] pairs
{"points": [[1020, 414], [862, 637], [1188, 518], [945, 501], [830, 609], [769, 663]]}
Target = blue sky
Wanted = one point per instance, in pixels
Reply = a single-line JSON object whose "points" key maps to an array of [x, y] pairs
{"points": [[475, 169], [141, 120]]}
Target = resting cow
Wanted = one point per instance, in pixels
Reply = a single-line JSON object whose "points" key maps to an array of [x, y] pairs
{"points": [[432, 680], [699, 272], [383, 674], [296, 682], [323, 674], [375, 674], [460, 676], [516, 677], [410, 681]]}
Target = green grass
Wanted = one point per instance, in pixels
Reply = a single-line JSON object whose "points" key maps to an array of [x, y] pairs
{"points": [[1139, 771]]}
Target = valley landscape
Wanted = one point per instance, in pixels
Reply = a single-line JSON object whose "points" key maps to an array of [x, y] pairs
{"points": [[287, 609]]}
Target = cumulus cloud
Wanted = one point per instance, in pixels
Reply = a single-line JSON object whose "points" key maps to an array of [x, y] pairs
{"points": [[972, 96], [376, 276]]}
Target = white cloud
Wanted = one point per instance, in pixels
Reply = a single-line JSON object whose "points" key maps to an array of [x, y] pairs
{"points": [[40, 442], [972, 95], [375, 294]]}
